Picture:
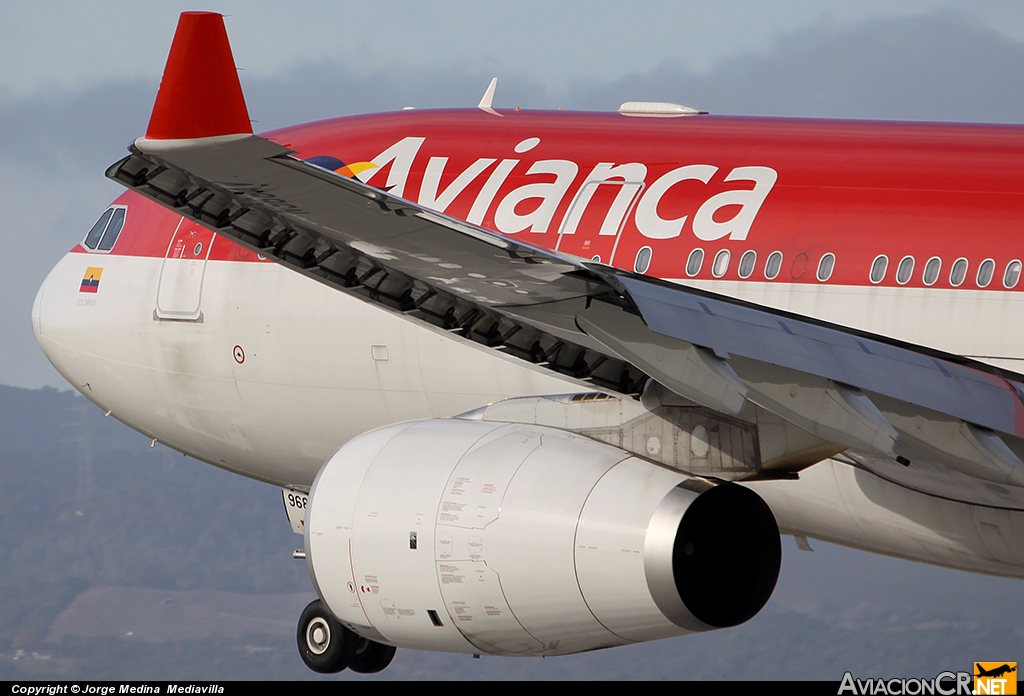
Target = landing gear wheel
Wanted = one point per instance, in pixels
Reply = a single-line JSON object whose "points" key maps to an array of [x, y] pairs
{"points": [[371, 657], [324, 644]]}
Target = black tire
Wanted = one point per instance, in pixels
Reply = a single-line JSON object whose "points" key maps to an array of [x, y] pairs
{"points": [[324, 644], [371, 657]]}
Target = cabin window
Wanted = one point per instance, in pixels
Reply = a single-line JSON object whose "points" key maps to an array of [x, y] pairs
{"points": [[773, 265], [643, 260], [931, 270], [747, 262], [721, 264], [878, 268], [1012, 275], [959, 272], [905, 270], [104, 233], [825, 266], [985, 272], [694, 263]]}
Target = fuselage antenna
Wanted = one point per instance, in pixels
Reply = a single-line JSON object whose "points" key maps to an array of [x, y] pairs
{"points": [[488, 98]]}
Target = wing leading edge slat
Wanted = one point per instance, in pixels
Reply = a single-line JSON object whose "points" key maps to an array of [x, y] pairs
{"points": [[382, 249]]}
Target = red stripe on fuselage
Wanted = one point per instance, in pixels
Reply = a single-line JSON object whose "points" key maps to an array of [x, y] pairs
{"points": [[854, 189], [149, 227]]}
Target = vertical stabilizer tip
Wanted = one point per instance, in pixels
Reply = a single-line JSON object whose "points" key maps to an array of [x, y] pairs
{"points": [[200, 96]]}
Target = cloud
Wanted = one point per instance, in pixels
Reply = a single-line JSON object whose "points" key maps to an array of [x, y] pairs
{"points": [[325, 89], [942, 66]]}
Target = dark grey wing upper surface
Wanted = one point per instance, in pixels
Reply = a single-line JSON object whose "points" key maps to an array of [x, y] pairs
{"points": [[583, 320], [385, 249]]}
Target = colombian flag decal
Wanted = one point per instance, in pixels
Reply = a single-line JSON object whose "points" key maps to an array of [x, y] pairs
{"points": [[91, 280]]}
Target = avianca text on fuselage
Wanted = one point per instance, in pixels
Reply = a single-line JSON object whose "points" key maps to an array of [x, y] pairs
{"points": [[606, 186], [651, 197]]}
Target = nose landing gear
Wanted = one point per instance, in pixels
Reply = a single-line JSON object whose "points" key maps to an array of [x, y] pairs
{"points": [[328, 647]]}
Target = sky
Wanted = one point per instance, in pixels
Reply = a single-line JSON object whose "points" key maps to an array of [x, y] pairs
{"points": [[72, 45]]}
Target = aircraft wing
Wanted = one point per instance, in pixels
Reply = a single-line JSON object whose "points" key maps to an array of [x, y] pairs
{"points": [[591, 322]]}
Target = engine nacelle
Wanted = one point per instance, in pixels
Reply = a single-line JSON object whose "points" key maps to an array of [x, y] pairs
{"points": [[505, 539]]}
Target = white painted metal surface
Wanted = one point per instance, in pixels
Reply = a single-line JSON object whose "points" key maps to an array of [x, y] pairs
{"points": [[523, 540], [305, 380]]}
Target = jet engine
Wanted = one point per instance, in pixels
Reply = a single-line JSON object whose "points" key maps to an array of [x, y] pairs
{"points": [[507, 539]]}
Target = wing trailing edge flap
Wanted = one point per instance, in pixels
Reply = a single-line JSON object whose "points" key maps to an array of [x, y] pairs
{"points": [[830, 411], [687, 370], [876, 424], [962, 446]]}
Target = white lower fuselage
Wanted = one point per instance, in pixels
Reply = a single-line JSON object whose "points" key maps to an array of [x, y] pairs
{"points": [[279, 371]]}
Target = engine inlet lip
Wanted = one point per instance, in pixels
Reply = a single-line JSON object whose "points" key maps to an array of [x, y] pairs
{"points": [[712, 555]]}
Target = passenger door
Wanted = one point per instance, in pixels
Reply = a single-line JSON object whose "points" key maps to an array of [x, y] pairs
{"points": [[179, 294]]}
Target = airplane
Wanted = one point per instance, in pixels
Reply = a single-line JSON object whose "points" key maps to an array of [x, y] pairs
{"points": [[995, 671], [539, 383]]}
